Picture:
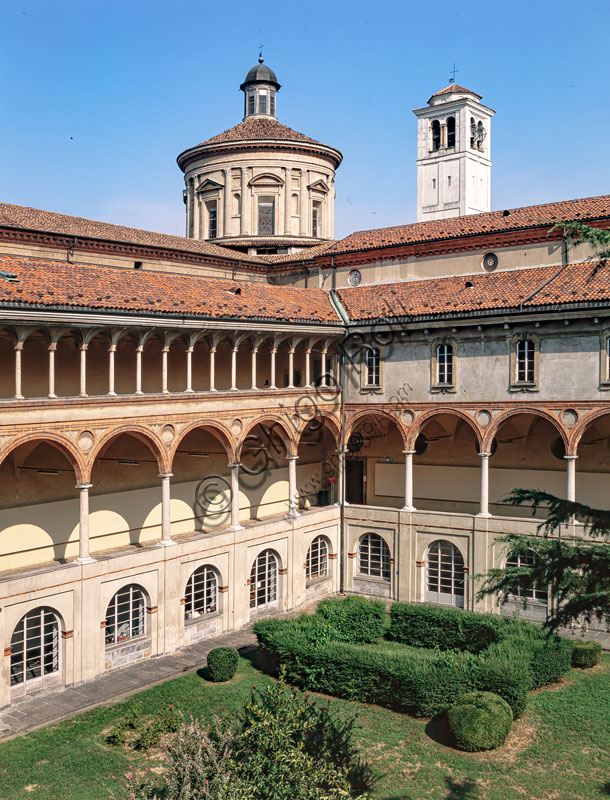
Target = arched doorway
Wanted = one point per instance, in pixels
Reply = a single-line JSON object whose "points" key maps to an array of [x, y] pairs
{"points": [[35, 652]]}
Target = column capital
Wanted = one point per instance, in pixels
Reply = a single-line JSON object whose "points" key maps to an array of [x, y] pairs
{"points": [[166, 474], [234, 464], [84, 485], [292, 458], [409, 452], [83, 346], [484, 455], [571, 458], [52, 347]]}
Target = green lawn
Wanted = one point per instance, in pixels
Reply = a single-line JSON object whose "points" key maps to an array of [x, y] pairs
{"points": [[560, 750]]}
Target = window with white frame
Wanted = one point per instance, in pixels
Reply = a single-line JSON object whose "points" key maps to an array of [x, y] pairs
{"points": [[125, 615], [315, 220], [444, 364], [374, 557], [525, 350], [251, 102], [526, 560], [444, 574], [316, 564], [262, 101], [201, 593], [35, 647], [373, 366], [263, 580], [212, 208]]}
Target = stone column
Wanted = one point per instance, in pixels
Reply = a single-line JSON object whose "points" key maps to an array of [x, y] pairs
{"points": [[408, 506], [111, 352], [273, 354], [254, 353], [235, 497], [246, 202], [287, 227], [189, 369], [340, 475], [234, 352], [83, 525], [139, 351], [484, 512], [18, 350], [166, 519], [83, 369], [213, 368], [227, 199], [308, 367], [303, 205], [164, 353], [52, 348], [291, 368], [323, 381], [571, 478], [331, 210], [292, 486]]}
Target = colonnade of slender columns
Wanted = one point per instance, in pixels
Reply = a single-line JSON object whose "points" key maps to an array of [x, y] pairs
{"points": [[52, 348]]}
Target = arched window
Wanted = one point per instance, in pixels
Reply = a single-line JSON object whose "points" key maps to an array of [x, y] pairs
{"points": [[374, 557], [316, 565], [451, 132], [263, 580], [373, 366], [201, 593], [295, 205], [445, 574], [480, 135], [266, 216], [35, 648], [473, 132], [436, 135], [125, 615], [524, 352], [527, 559], [444, 364], [236, 204]]}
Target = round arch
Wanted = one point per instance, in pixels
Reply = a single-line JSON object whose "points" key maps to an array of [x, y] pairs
{"points": [[278, 426], [144, 435], [60, 442], [214, 427], [496, 424], [419, 423], [581, 427], [353, 421], [325, 420]]}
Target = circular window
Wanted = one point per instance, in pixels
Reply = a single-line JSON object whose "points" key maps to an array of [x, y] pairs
{"points": [[489, 262], [354, 278]]}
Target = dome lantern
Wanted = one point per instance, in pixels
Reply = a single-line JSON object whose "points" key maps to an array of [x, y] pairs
{"points": [[260, 88]]}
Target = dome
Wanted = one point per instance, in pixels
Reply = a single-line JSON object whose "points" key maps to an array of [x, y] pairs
{"points": [[260, 73]]}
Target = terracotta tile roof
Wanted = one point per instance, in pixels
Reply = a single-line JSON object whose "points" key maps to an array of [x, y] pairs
{"points": [[492, 222], [33, 219], [303, 255], [53, 284], [260, 128], [577, 283], [455, 88]]}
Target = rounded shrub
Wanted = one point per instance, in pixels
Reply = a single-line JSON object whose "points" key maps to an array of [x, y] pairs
{"points": [[222, 663], [479, 721], [586, 654]]}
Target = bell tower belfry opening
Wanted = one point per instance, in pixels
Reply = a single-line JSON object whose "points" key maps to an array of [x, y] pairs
{"points": [[453, 155]]}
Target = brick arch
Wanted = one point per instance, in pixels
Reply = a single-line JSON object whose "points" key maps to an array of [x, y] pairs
{"points": [[580, 428], [275, 422], [61, 442], [327, 420], [353, 421], [496, 424], [419, 422], [218, 429], [145, 435]]}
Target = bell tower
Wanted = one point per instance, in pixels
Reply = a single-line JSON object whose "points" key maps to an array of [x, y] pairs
{"points": [[453, 155]]}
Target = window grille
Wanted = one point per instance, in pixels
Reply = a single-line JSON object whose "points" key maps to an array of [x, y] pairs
{"points": [[201, 593], [35, 647], [527, 559], [445, 574], [316, 565], [263, 580], [125, 615], [525, 361], [266, 213], [373, 366], [374, 557], [444, 364]]}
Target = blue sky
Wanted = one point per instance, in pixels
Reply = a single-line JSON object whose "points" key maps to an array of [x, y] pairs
{"points": [[99, 98]]}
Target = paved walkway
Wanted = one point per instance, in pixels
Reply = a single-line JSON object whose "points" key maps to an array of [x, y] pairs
{"points": [[45, 708]]}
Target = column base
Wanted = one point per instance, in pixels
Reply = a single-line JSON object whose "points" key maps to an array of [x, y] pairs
{"points": [[189, 391], [484, 514], [163, 543], [51, 396], [408, 508], [236, 527], [110, 394], [87, 560], [292, 515]]}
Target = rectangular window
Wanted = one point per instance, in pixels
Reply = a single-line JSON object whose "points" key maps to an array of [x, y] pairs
{"points": [[266, 215], [314, 221], [212, 221], [250, 103], [444, 364], [449, 180], [272, 103], [262, 101], [525, 361], [607, 379], [373, 362]]}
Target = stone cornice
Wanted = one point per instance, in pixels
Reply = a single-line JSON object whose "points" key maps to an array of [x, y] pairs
{"points": [[216, 148]]}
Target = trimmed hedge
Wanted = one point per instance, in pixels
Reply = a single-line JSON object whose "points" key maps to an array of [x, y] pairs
{"points": [[222, 663], [446, 628], [586, 654], [355, 619], [479, 721]]}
